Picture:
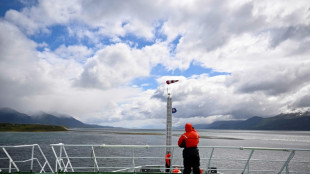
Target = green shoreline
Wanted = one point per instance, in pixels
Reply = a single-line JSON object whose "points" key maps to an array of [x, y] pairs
{"points": [[10, 127]]}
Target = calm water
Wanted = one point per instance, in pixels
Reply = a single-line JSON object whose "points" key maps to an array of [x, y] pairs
{"points": [[271, 139]]}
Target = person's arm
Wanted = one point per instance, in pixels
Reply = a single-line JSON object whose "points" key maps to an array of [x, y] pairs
{"points": [[181, 142]]}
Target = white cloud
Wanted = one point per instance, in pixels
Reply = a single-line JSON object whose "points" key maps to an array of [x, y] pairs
{"points": [[29, 25], [33, 81], [19, 70], [118, 64], [79, 53], [210, 96], [61, 11]]}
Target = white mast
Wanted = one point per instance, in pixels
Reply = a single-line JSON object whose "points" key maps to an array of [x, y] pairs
{"points": [[169, 127], [169, 124], [169, 118]]}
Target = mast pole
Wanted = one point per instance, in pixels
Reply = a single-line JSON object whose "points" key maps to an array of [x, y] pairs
{"points": [[169, 127], [169, 124]]}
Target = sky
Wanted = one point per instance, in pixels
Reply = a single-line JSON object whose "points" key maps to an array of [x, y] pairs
{"points": [[106, 62]]}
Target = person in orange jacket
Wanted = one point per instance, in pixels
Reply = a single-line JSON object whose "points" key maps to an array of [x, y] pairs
{"points": [[189, 141], [168, 162]]}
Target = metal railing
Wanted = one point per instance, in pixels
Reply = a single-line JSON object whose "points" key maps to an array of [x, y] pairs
{"points": [[133, 158], [14, 159], [282, 166], [151, 158]]}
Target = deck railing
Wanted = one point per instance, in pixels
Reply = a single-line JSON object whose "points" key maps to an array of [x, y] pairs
{"points": [[13, 159], [150, 158], [101, 158]]}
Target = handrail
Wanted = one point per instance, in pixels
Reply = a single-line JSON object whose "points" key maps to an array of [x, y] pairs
{"points": [[18, 164], [175, 158], [72, 157]]}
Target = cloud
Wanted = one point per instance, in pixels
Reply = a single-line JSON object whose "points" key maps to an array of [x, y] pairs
{"points": [[208, 96], [298, 32], [100, 16], [118, 64], [42, 81], [27, 24], [304, 101], [200, 99], [275, 80], [19, 70], [263, 46], [79, 53]]}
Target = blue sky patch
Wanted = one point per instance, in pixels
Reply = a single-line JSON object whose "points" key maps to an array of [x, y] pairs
{"points": [[174, 43], [135, 42], [55, 38], [6, 5], [59, 35], [139, 42], [158, 32]]}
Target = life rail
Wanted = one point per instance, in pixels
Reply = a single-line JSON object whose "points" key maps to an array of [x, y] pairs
{"points": [[17, 162], [100, 158], [150, 159]]}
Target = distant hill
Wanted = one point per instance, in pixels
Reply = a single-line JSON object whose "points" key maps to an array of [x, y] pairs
{"points": [[30, 127], [8, 115], [289, 121]]}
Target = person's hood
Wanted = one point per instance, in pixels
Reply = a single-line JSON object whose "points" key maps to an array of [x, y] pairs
{"points": [[188, 127]]}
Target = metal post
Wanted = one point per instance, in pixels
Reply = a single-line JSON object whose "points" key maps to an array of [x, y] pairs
{"points": [[95, 159], [211, 154], [57, 162], [42, 167], [10, 166], [68, 160], [247, 165], [133, 160], [287, 162], [11, 161], [60, 159], [31, 164], [171, 159], [45, 158]]}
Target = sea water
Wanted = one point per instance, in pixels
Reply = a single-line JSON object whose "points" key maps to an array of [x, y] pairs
{"points": [[236, 138]]}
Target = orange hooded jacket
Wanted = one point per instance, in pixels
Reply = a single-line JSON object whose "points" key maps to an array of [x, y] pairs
{"points": [[168, 159], [191, 137]]}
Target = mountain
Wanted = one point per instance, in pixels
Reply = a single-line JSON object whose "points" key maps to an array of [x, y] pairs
{"points": [[49, 119], [216, 124], [289, 121], [8, 115]]}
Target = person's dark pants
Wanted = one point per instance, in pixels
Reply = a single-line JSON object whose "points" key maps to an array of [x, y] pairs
{"points": [[168, 167], [191, 159]]}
